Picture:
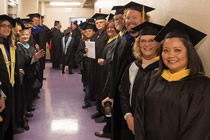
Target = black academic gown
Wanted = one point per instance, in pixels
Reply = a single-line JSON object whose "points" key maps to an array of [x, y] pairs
{"points": [[177, 110], [122, 58], [68, 56], [40, 39], [48, 33], [8, 114], [108, 54], [56, 48], [76, 35], [24, 62], [82, 61], [130, 84], [96, 77]]}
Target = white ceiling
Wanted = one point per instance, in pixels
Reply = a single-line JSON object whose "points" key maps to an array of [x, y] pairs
{"points": [[86, 3]]}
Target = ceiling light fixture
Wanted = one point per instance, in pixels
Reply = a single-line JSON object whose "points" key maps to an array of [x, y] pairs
{"points": [[65, 3]]}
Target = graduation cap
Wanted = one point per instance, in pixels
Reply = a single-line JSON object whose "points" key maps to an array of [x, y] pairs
{"points": [[89, 26], [31, 16], [19, 22], [90, 20], [110, 16], [26, 20], [175, 28], [148, 28], [98, 16], [138, 7], [82, 25], [8, 18], [119, 9], [56, 22]]}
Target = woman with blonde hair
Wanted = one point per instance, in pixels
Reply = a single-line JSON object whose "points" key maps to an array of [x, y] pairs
{"points": [[7, 74], [145, 50]]}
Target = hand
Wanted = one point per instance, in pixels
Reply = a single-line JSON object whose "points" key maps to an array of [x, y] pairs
{"points": [[130, 122], [39, 54], [85, 54], [86, 50], [2, 104], [107, 99], [37, 46], [101, 61], [21, 71]]}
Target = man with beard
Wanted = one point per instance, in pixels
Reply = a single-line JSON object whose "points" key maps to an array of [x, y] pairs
{"points": [[122, 58]]}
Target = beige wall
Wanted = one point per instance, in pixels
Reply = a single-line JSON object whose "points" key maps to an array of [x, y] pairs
{"points": [[59, 13], [193, 12], [28, 6], [3, 7]]}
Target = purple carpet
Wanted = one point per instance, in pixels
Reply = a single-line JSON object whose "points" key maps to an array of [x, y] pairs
{"points": [[58, 114]]}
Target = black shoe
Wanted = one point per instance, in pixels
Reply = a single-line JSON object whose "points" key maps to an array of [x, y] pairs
{"points": [[25, 125], [100, 119], [86, 106], [18, 130], [29, 114], [103, 135], [96, 115]]}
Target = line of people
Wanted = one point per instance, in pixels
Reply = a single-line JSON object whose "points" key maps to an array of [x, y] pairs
{"points": [[147, 80], [22, 62]]}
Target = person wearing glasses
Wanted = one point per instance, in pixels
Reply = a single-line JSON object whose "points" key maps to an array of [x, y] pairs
{"points": [[146, 51], [7, 74]]}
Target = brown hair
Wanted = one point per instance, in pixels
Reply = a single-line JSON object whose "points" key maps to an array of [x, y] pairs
{"points": [[111, 22], [11, 37], [194, 62]]}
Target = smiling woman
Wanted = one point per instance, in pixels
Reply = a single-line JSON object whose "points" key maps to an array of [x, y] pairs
{"points": [[175, 104], [7, 74]]}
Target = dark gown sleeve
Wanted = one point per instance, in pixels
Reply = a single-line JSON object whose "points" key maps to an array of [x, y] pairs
{"points": [[139, 109], [79, 53], [124, 92], [21, 58], [196, 124]]}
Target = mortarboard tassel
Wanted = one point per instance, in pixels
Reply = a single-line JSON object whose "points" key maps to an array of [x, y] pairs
{"points": [[40, 20], [16, 26], [1, 119], [143, 14]]}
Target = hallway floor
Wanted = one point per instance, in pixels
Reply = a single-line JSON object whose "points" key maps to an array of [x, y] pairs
{"points": [[59, 114]]}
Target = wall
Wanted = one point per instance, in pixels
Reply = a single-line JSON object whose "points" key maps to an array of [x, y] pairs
{"points": [[3, 7], [192, 12], [29, 6], [59, 13]]}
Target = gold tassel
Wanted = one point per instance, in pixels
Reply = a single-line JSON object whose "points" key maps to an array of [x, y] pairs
{"points": [[40, 20], [16, 27], [1, 119], [143, 14]]}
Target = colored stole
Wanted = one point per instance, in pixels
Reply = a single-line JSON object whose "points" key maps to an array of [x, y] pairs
{"points": [[12, 55], [66, 45], [175, 76]]}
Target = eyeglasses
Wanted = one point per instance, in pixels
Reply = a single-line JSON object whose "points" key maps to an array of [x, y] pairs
{"points": [[151, 41], [6, 26]]}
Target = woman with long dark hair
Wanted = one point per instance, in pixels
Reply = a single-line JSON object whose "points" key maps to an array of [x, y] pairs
{"points": [[175, 104]]}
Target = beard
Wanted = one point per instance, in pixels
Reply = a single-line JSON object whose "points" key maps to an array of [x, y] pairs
{"points": [[119, 27]]}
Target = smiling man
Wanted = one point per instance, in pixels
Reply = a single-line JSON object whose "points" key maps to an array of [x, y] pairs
{"points": [[123, 56]]}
